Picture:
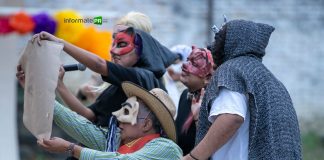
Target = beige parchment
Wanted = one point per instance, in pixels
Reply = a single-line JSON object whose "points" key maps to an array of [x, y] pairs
{"points": [[41, 66]]}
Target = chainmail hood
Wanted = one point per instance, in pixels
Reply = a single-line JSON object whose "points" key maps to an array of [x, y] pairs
{"points": [[246, 37]]}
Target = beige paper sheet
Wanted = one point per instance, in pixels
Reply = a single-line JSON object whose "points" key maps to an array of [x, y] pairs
{"points": [[41, 66]]}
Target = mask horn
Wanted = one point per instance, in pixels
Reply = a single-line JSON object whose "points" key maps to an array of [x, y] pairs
{"points": [[215, 29], [225, 18]]}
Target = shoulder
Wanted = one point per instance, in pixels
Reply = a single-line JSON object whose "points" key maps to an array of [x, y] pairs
{"points": [[164, 145], [143, 72]]}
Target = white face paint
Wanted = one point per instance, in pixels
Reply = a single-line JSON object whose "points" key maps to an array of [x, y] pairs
{"points": [[129, 111]]}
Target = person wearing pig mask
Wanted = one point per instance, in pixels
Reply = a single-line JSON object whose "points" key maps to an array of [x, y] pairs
{"points": [[196, 72]]}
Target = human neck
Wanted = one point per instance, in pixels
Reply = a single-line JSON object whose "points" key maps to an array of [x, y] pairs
{"points": [[150, 132]]}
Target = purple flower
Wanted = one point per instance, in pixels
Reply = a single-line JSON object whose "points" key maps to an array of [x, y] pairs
{"points": [[44, 22]]}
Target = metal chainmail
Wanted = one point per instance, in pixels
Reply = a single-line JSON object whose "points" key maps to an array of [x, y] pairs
{"points": [[274, 131]]}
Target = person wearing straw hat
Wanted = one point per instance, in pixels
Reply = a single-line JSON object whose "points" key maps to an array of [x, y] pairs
{"points": [[146, 129]]}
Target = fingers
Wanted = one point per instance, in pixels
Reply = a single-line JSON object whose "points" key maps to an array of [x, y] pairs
{"points": [[47, 142], [202, 93], [193, 100], [19, 67], [34, 37], [20, 73], [53, 138], [38, 39], [42, 144], [62, 68]]}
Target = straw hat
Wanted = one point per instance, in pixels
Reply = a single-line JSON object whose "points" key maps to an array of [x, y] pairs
{"points": [[159, 102]]}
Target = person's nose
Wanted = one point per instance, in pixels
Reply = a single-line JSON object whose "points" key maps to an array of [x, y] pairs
{"points": [[185, 66]]}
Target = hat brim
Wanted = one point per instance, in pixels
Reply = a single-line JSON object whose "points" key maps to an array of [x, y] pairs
{"points": [[155, 105]]}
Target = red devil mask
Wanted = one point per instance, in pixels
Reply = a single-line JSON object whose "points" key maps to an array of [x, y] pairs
{"points": [[123, 43], [199, 62]]}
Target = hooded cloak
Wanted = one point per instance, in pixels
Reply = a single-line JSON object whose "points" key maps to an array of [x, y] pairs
{"points": [[273, 131]]}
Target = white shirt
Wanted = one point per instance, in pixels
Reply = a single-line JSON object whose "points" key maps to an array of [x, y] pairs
{"points": [[231, 102]]}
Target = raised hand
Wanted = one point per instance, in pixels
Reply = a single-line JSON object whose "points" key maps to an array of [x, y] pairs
{"points": [[45, 36], [60, 77], [196, 104], [20, 76], [55, 145]]}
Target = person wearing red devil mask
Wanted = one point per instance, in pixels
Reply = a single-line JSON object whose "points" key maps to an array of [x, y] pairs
{"points": [[196, 73], [136, 57], [123, 50]]}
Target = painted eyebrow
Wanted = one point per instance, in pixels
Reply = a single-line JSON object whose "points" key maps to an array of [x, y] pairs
{"points": [[126, 104], [119, 38]]}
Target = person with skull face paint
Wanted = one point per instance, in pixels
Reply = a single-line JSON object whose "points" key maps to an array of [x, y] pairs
{"points": [[142, 119], [196, 72]]}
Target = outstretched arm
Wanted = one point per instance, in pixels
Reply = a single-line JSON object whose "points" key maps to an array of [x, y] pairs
{"points": [[92, 61], [71, 101]]}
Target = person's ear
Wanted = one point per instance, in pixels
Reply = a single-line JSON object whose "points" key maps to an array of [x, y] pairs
{"points": [[148, 125]]}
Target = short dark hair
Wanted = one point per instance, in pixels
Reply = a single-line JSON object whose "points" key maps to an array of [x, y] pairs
{"points": [[156, 123]]}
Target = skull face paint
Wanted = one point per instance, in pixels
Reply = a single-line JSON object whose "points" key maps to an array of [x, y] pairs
{"points": [[123, 43], [199, 62], [129, 111]]}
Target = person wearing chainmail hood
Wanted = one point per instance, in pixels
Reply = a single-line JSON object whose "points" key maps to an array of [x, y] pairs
{"points": [[246, 112]]}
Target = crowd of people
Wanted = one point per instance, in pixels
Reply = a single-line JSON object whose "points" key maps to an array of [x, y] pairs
{"points": [[229, 105]]}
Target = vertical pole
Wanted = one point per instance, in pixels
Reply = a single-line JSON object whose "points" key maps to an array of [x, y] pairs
{"points": [[210, 20]]}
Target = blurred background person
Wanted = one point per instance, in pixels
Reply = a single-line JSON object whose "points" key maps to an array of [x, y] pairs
{"points": [[172, 76]]}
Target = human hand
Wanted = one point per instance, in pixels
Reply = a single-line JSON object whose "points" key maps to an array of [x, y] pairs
{"points": [[55, 145], [45, 36], [61, 73], [20, 76], [60, 77], [174, 75], [196, 104], [187, 157]]}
